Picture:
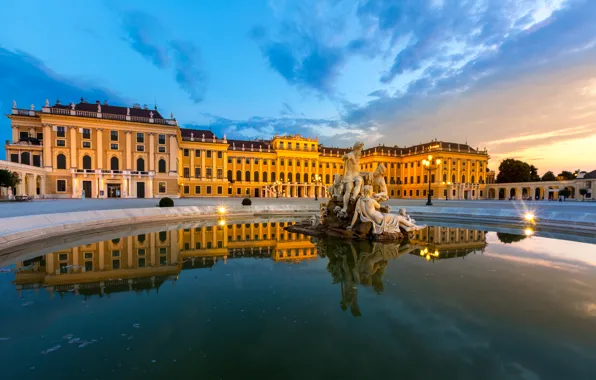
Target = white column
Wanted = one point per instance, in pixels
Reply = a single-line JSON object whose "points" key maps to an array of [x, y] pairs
{"points": [[99, 148], [129, 150], [151, 151], [73, 147]]}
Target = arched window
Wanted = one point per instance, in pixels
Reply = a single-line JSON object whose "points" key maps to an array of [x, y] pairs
{"points": [[230, 176], [453, 178], [256, 176], [305, 176], [163, 236], [273, 177], [114, 163], [264, 176], [238, 175], [247, 175], [327, 179], [473, 178], [161, 166], [289, 177], [281, 176], [463, 178], [481, 180], [140, 164], [290, 162], [444, 177], [61, 161], [86, 162], [281, 161], [26, 158]]}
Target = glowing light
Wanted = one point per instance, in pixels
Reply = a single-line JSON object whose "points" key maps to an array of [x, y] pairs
{"points": [[430, 157], [222, 222], [221, 210], [438, 161], [437, 253], [427, 257], [529, 217], [529, 232]]}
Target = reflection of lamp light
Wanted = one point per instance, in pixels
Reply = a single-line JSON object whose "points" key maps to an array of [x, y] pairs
{"points": [[529, 232], [427, 257], [222, 222], [529, 217], [436, 253], [221, 210]]}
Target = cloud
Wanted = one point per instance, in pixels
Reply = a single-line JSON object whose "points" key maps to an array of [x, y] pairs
{"points": [[143, 33], [287, 109], [146, 36], [27, 80], [189, 73]]}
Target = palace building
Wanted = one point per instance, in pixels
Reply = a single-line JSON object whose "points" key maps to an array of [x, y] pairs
{"points": [[100, 150]]}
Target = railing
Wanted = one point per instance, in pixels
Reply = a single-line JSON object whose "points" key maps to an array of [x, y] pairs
{"points": [[99, 115], [23, 112], [60, 111]]}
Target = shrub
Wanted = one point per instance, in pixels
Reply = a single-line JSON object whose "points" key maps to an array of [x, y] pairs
{"points": [[166, 202], [246, 202]]}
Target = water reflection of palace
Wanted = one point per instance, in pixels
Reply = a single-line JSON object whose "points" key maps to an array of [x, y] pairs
{"points": [[448, 242], [146, 261]]}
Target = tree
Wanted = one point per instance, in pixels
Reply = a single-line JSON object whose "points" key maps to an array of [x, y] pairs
{"points": [[565, 192], [8, 178], [512, 170], [583, 193], [549, 176], [565, 175], [534, 177]]}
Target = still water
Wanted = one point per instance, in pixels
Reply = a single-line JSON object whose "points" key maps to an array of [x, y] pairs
{"points": [[253, 301]]}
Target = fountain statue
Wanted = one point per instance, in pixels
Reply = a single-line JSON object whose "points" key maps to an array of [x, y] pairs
{"points": [[354, 210]]}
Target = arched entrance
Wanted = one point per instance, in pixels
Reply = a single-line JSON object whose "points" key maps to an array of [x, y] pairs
{"points": [[38, 185], [501, 193], [492, 193], [512, 193]]}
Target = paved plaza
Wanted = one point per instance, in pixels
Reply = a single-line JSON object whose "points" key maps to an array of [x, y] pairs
{"points": [[51, 206]]}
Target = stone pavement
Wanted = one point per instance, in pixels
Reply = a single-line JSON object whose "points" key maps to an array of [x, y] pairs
{"points": [[51, 206]]}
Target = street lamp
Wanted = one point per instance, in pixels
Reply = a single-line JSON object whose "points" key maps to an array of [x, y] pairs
{"points": [[277, 183], [430, 165], [317, 181]]}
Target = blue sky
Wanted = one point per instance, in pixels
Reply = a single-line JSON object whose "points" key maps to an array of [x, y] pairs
{"points": [[517, 77]]}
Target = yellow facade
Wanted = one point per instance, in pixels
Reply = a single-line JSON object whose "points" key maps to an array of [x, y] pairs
{"points": [[110, 151]]}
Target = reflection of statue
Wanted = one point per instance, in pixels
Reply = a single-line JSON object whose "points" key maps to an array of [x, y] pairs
{"points": [[336, 188], [368, 210], [352, 179], [378, 183]]}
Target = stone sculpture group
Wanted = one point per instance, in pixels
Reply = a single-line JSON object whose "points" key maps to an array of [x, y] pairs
{"points": [[354, 210]]}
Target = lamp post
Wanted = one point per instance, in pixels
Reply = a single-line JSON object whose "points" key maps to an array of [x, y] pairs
{"points": [[316, 178], [430, 165], [277, 183]]}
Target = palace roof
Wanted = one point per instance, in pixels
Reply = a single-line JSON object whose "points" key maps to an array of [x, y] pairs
{"points": [[136, 110]]}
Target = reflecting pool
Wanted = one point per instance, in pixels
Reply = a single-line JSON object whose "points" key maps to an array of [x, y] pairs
{"points": [[250, 300]]}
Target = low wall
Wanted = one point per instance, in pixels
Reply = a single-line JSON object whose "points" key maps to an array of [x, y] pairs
{"points": [[28, 229]]}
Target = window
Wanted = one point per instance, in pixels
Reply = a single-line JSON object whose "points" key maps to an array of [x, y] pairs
{"points": [[114, 146], [60, 142], [161, 139], [25, 158], [197, 172], [423, 192], [37, 160], [219, 190], [219, 173], [86, 162], [230, 190], [40, 137], [140, 138], [265, 177], [115, 264], [197, 153], [14, 157], [161, 188], [220, 154], [208, 189], [186, 153], [406, 180], [238, 191], [161, 166], [60, 132], [186, 173], [238, 175], [197, 189], [297, 162], [248, 161], [61, 185], [238, 162], [140, 148], [247, 176], [425, 178], [86, 133], [140, 165], [432, 178], [186, 189], [208, 154], [87, 144], [410, 192], [209, 173], [272, 162], [61, 161], [256, 176], [114, 163], [113, 135], [23, 135]]}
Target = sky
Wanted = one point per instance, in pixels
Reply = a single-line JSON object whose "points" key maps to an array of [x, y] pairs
{"points": [[515, 77]]}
